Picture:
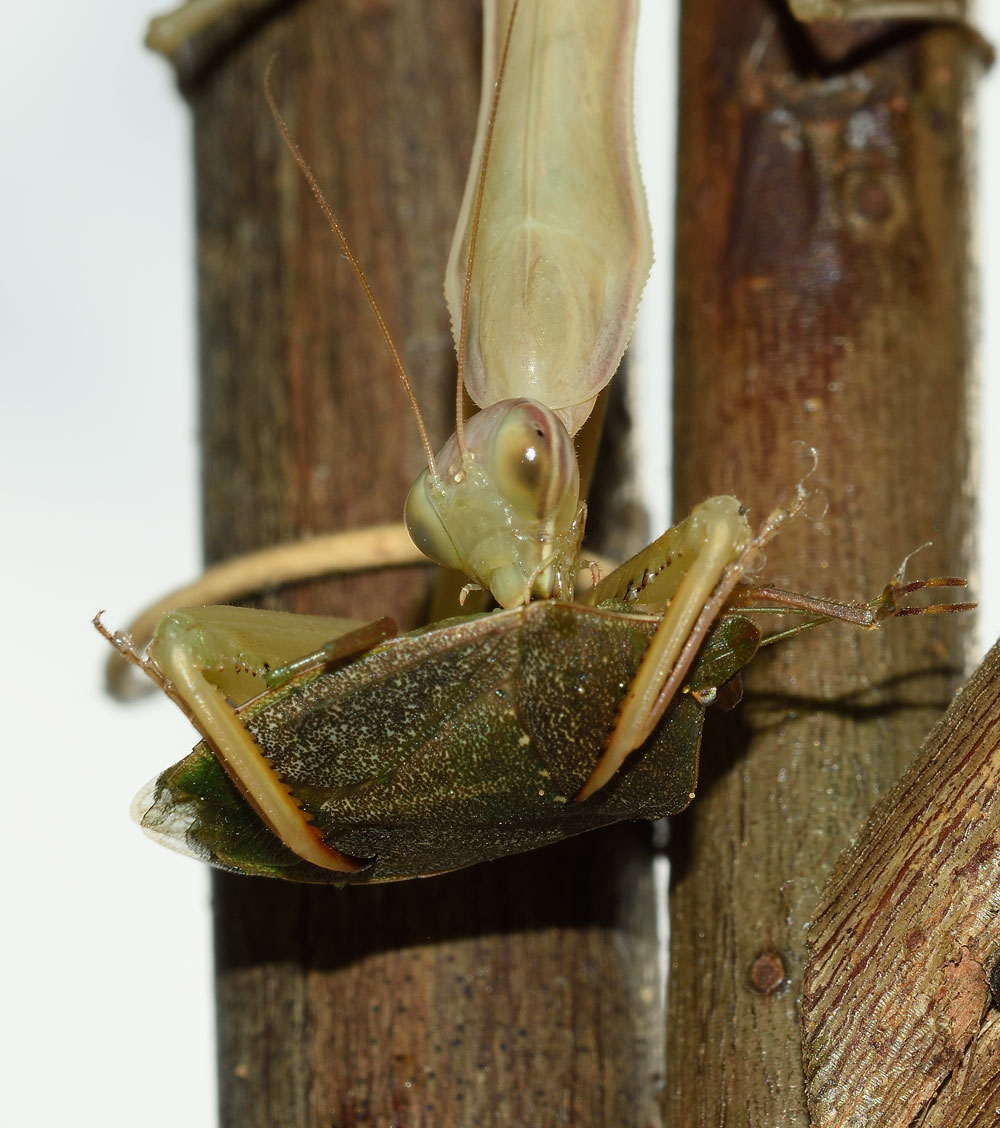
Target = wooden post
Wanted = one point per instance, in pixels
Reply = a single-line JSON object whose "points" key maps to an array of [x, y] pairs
{"points": [[512, 994], [823, 298]]}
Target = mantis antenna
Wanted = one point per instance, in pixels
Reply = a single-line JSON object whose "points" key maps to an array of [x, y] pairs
{"points": [[335, 227], [473, 236]]}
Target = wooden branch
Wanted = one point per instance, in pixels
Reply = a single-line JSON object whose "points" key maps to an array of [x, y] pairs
{"points": [[906, 938], [822, 299], [517, 993]]}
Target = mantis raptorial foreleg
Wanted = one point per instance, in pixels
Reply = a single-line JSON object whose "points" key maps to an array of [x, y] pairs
{"points": [[210, 659], [379, 546], [698, 564]]}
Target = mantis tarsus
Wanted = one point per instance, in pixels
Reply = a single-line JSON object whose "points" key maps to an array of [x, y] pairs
{"points": [[439, 793]]}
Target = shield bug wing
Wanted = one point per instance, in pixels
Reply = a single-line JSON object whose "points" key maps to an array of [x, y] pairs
{"points": [[449, 747]]}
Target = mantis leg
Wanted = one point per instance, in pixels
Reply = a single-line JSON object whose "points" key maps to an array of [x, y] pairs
{"points": [[696, 566], [706, 557], [208, 658], [378, 546]]}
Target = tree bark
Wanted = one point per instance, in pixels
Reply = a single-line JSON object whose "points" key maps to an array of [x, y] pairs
{"points": [[516, 993], [822, 298], [899, 1001]]}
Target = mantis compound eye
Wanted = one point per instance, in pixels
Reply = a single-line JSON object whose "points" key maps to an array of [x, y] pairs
{"points": [[505, 510], [532, 461]]}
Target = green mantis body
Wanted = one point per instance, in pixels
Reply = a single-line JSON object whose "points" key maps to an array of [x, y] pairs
{"points": [[335, 753], [549, 259]]}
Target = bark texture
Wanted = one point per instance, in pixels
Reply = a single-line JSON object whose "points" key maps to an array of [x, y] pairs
{"points": [[904, 946], [822, 298], [518, 993]]}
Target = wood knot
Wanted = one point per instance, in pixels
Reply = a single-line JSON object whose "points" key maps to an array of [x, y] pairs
{"points": [[767, 972], [875, 204]]}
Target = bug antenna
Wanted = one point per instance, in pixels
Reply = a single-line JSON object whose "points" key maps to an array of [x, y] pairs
{"points": [[474, 234], [335, 227]]}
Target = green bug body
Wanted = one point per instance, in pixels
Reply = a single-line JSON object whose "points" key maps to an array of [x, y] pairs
{"points": [[451, 746]]}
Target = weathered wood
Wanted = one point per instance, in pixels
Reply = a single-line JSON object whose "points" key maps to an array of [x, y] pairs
{"points": [[906, 938], [519, 993], [822, 298]]}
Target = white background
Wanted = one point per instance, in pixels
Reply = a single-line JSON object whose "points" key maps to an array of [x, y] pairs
{"points": [[105, 948]]}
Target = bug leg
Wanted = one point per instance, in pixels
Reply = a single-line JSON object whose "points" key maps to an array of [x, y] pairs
{"points": [[888, 605], [467, 590]]}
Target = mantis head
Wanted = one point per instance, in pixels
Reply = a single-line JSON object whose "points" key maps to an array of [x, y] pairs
{"points": [[504, 507]]}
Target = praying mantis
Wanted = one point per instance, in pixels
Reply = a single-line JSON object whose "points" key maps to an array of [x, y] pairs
{"points": [[366, 758]]}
